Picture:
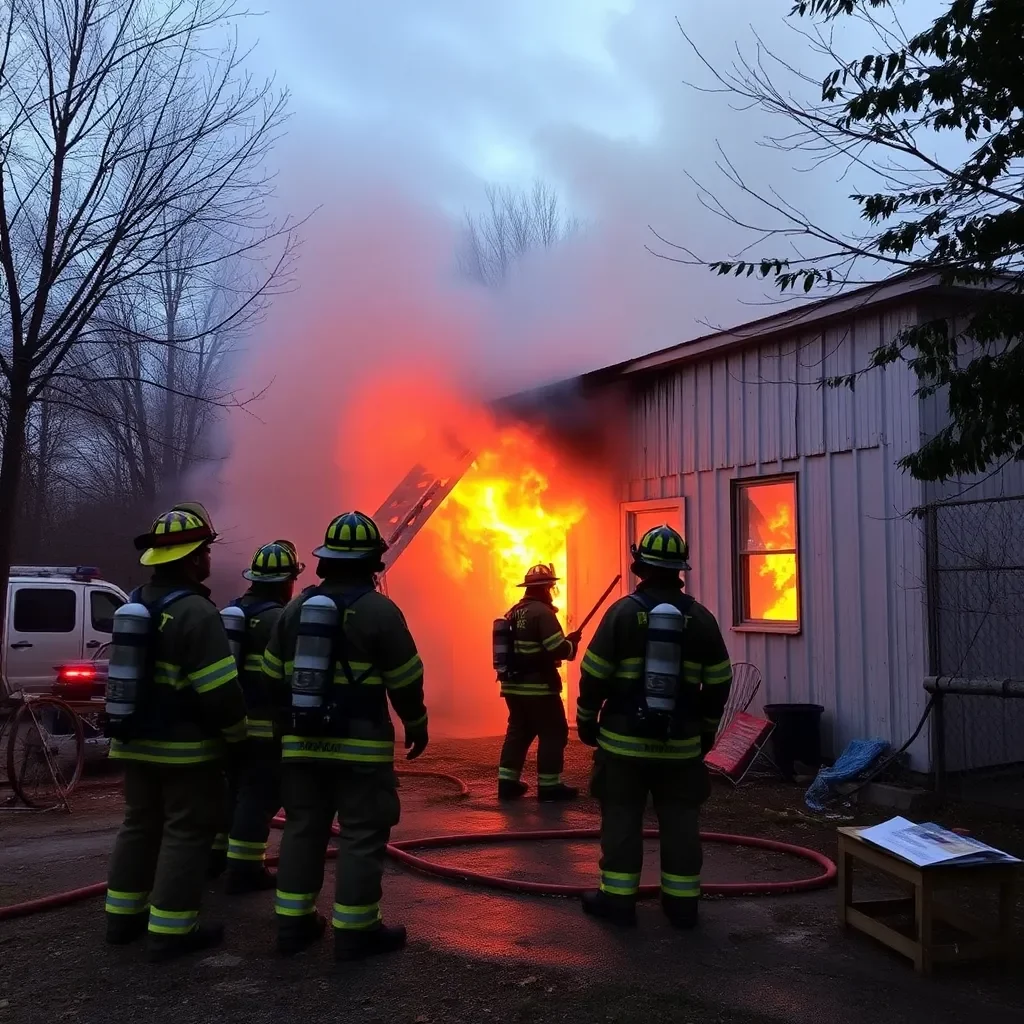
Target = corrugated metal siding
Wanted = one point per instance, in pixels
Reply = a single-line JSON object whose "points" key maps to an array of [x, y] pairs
{"points": [[862, 649]]}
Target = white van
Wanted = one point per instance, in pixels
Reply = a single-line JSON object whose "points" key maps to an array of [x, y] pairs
{"points": [[55, 614]]}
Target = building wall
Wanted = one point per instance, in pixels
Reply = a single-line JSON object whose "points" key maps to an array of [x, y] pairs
{"points": [[862, 648]]}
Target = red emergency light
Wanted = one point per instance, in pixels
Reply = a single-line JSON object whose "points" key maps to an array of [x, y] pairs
{"points": [[77, 682], [71, 674]]}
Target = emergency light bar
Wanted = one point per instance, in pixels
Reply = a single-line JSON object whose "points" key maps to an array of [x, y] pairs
{"points": [[81, 573]]}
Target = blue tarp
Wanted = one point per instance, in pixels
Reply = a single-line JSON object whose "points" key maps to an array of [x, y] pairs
{"points": [[858, 756]]}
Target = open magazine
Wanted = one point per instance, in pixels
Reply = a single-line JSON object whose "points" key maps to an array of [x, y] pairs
{"points": [[928, 844]]}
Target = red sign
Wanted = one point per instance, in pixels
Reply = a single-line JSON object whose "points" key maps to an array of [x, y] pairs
{"points": [[739, 742]]}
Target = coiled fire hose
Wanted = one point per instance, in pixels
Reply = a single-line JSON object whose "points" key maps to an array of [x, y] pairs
{"points": [[400, 851]]}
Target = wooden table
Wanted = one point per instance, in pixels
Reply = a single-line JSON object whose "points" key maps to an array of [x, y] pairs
{"points": [[967, 939]]}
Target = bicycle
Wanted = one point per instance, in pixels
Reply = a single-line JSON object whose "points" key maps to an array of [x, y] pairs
{"points": [[45, 748]]}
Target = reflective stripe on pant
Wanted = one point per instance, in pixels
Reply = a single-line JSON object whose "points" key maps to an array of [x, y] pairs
{"points": [[257, 800], [530, 718], [365, 799], [621, 784], [161, 853]]}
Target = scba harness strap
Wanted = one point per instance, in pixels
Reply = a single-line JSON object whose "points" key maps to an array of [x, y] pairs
{"points": [[156, 610], [251, 613], [683, 602], [339, 643]]}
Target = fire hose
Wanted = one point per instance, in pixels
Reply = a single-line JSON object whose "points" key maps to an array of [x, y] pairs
{"points": [[399, 850]]}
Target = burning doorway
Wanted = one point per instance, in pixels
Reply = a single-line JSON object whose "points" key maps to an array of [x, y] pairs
{"points": [[519, 501]]}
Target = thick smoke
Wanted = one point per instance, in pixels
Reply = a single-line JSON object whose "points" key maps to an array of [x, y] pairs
{"points": [[380, 352]]}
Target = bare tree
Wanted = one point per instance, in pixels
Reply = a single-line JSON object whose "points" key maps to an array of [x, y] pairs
{"points": [[928, 129], [157, 376], [516, 222], [125, 128]]}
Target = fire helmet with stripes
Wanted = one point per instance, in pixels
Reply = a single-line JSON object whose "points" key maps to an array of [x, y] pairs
{"points": [[662, 548], [352, 535]]}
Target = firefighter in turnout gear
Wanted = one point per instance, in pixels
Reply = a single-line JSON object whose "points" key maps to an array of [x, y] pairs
{"points": [[336, 658], [654, 682], [532, 689], [256, 794], [175, 712]]}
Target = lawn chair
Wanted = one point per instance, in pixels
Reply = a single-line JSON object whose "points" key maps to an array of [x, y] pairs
{"points": [[736, 753], [746, 681]]}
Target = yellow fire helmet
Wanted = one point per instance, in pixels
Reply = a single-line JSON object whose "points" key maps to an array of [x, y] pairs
{"points": [[196, 509], [663, 548], [539, 575], [352, 535], [173, 536], [275, 562]]}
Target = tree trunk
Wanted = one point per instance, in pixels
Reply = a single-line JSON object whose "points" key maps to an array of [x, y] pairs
{"points": [[39, 525], [11, 463]]}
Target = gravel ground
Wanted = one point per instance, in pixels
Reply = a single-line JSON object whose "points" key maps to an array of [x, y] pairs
{"points": [[479, 956]]}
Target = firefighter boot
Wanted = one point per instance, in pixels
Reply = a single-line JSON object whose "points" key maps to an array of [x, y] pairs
{"points": [[218, 856], [357, 944], [619, 910], [511, 789], [682, 913], [301, 933], [123, 929], [247, 876], [170, 947], [557, 793]]}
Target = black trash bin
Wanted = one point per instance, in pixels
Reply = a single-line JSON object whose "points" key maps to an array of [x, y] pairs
{"points": [[797, 735]]}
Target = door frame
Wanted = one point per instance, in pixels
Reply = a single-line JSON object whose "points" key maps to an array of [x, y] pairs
{"points": [[675, 509]]}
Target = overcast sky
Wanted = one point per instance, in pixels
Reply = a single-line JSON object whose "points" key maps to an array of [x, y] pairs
{"points": [[404, 110], [429, 101]]}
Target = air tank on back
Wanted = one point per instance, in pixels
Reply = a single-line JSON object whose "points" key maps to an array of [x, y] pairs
{"points": [[663, 659], [501, 646], [314, 646], [129, 651], [234, 625]]}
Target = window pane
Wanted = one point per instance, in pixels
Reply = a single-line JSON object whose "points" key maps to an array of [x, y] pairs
{"points": [[44, 610], [771, 588], [102, 606], [768, 516]]}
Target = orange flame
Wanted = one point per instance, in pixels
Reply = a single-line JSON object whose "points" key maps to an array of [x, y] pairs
{"points": [[773, 577], [502, 517]]}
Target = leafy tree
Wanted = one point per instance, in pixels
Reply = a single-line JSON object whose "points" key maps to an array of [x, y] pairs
{"points": [[956, 85]]}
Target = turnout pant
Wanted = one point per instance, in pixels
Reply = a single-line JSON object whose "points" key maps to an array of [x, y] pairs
{"points": [[161, 854], [678, 788], [365, 798], [256, 798], [535, 718]]}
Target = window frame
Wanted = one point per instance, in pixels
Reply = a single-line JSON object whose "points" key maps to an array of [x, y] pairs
{"points": [[740, 557], [675, 507]]}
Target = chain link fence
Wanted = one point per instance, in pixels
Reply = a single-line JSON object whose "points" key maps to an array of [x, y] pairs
{"points": [[976, 639]]}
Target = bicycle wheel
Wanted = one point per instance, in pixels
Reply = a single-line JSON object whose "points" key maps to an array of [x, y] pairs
{"points": [[45, 751]]}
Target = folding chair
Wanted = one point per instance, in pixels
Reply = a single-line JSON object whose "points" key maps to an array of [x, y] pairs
{"points": [[746, 681]]}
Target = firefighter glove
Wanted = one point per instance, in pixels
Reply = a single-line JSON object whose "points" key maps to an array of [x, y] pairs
{"points": [[587, 732], [415, 740]]}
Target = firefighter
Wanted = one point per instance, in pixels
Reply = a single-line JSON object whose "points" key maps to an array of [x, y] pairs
{"points": [[532, 689], [654, 682], [184, 717], [336, 657], [255, 797]]}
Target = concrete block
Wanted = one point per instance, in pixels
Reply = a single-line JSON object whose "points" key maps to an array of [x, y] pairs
{"points": [[898, 798]]}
